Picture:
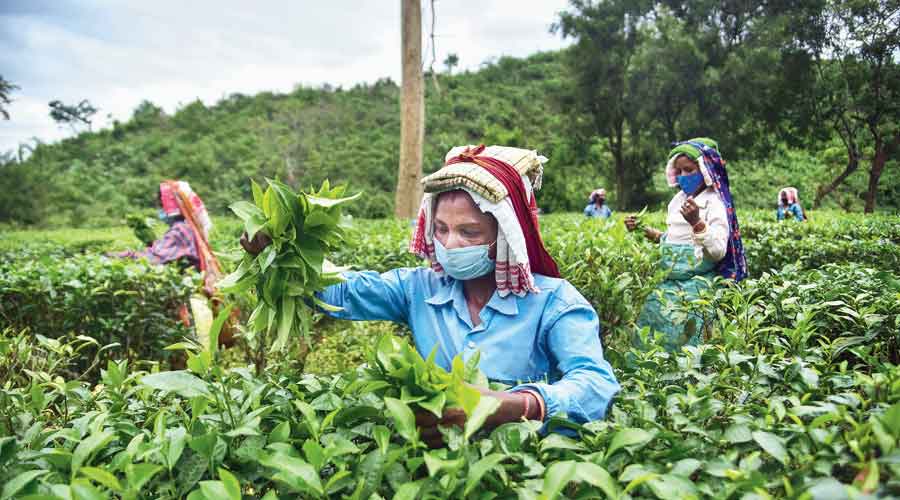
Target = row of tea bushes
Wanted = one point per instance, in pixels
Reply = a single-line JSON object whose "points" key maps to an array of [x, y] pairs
{"points": [[113, 301], [747, 415], [55, 290]]}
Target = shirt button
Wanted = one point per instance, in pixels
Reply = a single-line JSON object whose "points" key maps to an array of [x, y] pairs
{"points": [[470, 344]]}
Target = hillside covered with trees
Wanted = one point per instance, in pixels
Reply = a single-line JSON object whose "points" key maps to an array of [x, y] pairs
{"points": [[636, 77]]}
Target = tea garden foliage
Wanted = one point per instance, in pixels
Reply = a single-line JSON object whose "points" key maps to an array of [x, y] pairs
{"points": [[795, 393]]}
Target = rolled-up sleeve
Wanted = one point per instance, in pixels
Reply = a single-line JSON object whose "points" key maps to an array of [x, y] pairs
{"points": [[368, 295], [587, 386]]}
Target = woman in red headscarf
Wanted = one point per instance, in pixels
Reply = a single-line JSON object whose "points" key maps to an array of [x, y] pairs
{"points": [[186, 242], [187, 239], [492, 289]]}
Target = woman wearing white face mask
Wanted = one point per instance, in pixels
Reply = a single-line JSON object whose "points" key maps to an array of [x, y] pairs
{"points": [[491, 288]]}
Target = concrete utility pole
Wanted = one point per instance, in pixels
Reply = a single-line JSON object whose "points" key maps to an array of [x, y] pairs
{"points": [[412, 113]]}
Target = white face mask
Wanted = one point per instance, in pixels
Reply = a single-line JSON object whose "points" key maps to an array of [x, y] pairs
{"points": [[464, 263]]}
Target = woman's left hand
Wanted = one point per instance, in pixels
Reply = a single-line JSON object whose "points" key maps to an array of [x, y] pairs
{"points": [[429, 424], [690, 211], [512, 409]]}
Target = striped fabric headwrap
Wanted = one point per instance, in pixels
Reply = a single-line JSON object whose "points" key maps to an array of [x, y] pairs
{"points": [[597, 192], [178, 198], [501, 181], [734, 264]]}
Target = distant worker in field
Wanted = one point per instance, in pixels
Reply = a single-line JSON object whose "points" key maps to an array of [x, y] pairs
{"points": [[597, 206], [491, 289], [701, 240], [789, 204], [186, 243]]}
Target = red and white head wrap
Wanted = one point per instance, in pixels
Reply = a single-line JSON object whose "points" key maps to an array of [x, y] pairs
{"points": [[501, 181], [170, 192], [178, 198]]}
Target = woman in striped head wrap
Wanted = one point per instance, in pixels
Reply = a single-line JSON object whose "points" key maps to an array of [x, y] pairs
{"points": [[186, 243], [187, 239], [702, 240], [490, 288]]}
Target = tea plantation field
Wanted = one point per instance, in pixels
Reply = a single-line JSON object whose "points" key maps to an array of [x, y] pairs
{"points": [[795, 392]]}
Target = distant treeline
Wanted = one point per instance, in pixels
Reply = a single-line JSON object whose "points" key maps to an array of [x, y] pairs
{"points": [[765, 80]]}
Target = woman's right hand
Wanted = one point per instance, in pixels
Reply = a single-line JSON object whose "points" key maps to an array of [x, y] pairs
{"points": [[631, 223], [256, 245]]}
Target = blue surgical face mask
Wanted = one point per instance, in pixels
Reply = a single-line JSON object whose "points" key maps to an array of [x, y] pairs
{"points": [[690, 183], [464, 263]]}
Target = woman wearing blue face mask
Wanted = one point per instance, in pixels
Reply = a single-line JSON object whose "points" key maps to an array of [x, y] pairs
{"points": [[490, 288], [701, 241]]}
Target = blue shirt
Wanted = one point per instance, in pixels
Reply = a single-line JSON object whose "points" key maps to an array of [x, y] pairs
{"points": [[548, 341], [793, 208], [592, 211]]}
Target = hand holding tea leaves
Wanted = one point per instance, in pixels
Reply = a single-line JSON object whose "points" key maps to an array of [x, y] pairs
{"points": [[287, 235], [437, 399]]}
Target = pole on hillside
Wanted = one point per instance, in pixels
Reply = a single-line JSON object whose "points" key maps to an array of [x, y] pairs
{"points": [[412, 113]]}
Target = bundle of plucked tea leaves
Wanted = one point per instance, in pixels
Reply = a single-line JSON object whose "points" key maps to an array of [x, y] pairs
{"points": [[303, 227], [396, 370], [142, 228]]}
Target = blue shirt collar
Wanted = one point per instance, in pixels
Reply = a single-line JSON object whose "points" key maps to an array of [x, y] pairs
{"points": [[445, 293], [453, 291], [508, 305]]}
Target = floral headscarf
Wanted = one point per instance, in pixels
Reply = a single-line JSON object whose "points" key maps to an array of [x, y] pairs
{"points": [[597, 192], [791, 194]]}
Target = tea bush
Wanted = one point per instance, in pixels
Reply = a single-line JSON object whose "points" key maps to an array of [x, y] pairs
{"points": [[614, 270], [794, 393], [113, 301], [745, 416]]}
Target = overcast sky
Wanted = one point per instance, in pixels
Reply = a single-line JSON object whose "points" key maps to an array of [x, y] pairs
{"points": [[117, 53]]}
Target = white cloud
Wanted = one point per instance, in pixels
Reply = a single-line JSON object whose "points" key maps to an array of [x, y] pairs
{"points": [[172, 52]]}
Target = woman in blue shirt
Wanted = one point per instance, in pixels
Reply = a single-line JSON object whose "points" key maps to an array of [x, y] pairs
{"points": [[597, 206], [492, 289], [789, 204]]}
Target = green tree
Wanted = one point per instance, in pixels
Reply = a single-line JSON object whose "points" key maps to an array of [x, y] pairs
{"points": [[668, 72], [25, 191], [451, 61], [72, 115], [606, 37], [6, 88], [859, 85]]}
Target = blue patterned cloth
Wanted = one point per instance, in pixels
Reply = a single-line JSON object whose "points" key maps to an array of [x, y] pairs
{"points": [[793, 209]]}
